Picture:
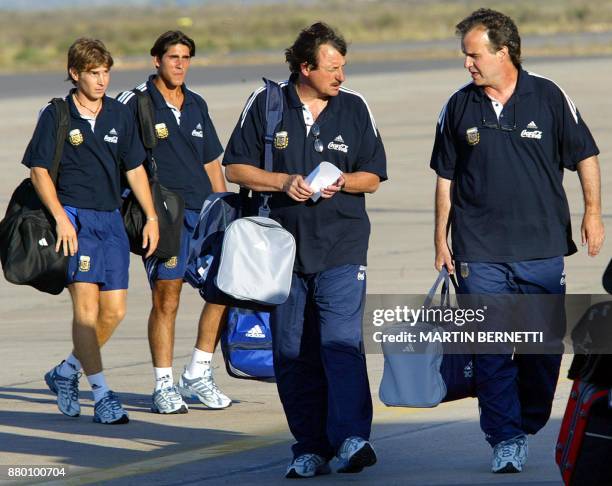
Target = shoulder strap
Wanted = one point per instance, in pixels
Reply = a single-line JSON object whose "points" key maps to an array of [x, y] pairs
{"points": [[274, 115], [146, 120], [62, 124]]}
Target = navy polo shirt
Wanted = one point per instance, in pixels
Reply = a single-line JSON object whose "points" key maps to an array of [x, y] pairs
{"points": [[89, 174], [333, 231], [508, 201], [182, 150]]}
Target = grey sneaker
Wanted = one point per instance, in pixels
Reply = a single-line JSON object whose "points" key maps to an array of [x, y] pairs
{"points": [[67, 391], [204, 389], [307, 466], [354, 454], [109, 410], [509, 456], [168, 400]]}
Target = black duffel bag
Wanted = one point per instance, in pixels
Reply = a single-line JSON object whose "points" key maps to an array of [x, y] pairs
{"points": [[169, 205], [27, 232]]}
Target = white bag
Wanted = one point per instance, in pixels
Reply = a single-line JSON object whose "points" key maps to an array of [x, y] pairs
{"points": [[256, 261]]}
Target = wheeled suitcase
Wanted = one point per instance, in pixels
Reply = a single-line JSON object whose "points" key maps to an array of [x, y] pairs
{"points": [[584, 447]]}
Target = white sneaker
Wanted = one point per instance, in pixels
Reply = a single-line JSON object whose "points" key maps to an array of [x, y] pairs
{"points": [[354, 454], [67, 391], [509, 456], [307, 466], [168, 400], [204, 389]]}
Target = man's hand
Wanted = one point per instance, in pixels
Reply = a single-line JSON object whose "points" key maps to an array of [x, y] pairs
{"points": [[593, 233], [444, 258], [66, 235], [150, 236], [332, 189], [296, 188]]}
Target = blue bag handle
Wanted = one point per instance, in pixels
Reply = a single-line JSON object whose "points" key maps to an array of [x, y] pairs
{"points": [[447, 279]]}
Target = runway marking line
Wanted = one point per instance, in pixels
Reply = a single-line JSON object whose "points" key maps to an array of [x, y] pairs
{"points": [[171, 460]]}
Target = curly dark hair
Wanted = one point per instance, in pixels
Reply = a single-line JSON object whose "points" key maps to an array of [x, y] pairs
{"points": [[501, 30], [306, 46]]}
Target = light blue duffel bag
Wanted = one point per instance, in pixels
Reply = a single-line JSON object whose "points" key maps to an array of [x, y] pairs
{"points": [[420, 374]]}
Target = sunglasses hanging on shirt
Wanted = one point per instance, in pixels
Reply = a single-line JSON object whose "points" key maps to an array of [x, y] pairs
{"points": [[316, 131]]}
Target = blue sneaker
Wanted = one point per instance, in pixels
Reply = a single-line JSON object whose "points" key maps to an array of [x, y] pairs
{"points": [[108, 410], [307, 466], [354, 454], [67, 391]]}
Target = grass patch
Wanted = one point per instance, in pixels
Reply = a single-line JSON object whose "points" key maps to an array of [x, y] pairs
{"points": [[39, 40]]}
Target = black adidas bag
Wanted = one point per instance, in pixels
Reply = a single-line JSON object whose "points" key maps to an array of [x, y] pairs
{"points": [[169, 206], [27, 232]]}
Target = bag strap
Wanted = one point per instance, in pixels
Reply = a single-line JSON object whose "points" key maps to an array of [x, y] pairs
{"points": [[146, 123], [274, 115], [446, 279], [62, 124]]}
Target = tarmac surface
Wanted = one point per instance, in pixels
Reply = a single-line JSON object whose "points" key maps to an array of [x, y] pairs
{"points": [[250, 441]]}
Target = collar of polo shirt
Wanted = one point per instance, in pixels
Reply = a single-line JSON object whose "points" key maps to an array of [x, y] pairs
{"points": [[333, 103], [158, 99]]}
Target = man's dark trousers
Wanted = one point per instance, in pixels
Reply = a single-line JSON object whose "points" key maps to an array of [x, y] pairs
{"points": [[319, 361], [515, 393]]}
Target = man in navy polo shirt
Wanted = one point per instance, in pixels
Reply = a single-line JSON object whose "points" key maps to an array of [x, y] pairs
{"points": [[502, 144], [187, 155], [319, 362], [89, 226]]}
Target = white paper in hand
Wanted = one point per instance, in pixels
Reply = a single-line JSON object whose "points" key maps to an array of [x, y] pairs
{"points": [[322, 176]]}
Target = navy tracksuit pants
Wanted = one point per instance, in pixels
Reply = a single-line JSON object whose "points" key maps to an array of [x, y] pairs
{"points": [[319, 362], [515, 393]]}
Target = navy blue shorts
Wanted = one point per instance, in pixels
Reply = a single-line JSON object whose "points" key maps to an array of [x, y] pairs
{"points": [[103, 257], [174, 267]]}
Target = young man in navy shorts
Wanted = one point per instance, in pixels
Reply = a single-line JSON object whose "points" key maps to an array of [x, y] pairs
{"points": [[187, 162], [89, 227]]}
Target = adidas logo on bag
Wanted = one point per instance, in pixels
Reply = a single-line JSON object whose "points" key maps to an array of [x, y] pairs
{"points": [[256, 332]]}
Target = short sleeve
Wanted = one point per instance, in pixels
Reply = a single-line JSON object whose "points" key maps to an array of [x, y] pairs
{"points": [[245, 145], [575, 140], [444, 153], [41, 149], [212, 146], [371, 157], [131, 151]]}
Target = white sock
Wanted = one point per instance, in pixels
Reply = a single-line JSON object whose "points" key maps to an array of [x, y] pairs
{"points": [[163, 378], [98, 385], [70, 366], [200, 362]]}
